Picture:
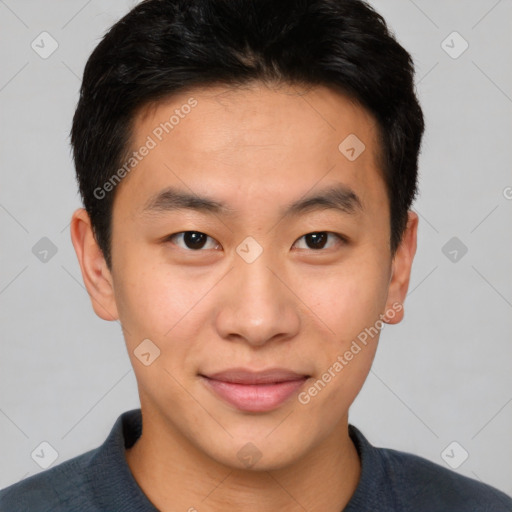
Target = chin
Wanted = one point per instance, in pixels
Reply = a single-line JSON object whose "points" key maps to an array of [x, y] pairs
{"points": [[259, 453]]}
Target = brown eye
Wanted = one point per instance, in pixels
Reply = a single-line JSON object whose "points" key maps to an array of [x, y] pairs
{"points": [[319, 239], [193, 240]]}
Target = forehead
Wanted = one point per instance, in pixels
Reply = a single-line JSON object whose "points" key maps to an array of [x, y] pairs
{"points": [[251, 115], [255, 143]]}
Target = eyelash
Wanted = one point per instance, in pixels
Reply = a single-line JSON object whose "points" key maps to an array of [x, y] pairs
{"points": [[342, 240]]}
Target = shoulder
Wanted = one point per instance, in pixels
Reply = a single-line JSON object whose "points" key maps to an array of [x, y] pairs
{"points": [[400, 481], [96, 480], [418, 480], [63, 487]]}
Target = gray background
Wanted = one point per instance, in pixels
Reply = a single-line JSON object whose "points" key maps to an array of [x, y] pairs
{"points": [[442, 375]]}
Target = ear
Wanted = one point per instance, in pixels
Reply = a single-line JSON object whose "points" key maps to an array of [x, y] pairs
{"points": [[95, 273], [401, 271]]}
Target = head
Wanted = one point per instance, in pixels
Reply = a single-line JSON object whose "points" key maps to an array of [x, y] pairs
{"points": [[247, 171]]}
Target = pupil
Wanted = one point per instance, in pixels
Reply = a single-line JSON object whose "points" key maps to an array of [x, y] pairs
{"points": [[317, 239], [194, 240]]}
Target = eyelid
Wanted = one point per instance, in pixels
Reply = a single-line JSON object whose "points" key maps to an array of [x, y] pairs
{"points": [[170, 237], [342, 240]]}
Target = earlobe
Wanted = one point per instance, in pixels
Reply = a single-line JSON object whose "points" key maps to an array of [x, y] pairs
{"points": [[401, 272], [95, 273]]}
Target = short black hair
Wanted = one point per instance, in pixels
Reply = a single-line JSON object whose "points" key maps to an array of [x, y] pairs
{"points": [[162, 47]]}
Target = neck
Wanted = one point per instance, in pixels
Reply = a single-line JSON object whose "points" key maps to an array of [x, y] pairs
{"points": [[175, 475]]}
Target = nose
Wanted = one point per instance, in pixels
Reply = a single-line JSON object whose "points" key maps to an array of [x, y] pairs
{"points": [[257, 304]]}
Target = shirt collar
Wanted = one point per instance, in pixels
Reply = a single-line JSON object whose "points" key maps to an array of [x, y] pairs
{"points": [[113, 484], [115, 488]]}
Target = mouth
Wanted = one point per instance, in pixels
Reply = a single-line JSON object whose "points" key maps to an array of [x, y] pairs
{"points": [[251, 391]]}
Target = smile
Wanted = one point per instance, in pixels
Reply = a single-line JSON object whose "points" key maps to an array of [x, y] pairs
{"points": [[255, 391]]}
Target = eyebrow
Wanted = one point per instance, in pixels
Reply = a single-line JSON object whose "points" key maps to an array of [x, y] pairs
{"points": [[337, 197]]}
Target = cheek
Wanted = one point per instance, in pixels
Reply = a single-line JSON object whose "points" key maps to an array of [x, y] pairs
{"points": [[156, 303], [349, 300], [346, 299], [152, 299]]}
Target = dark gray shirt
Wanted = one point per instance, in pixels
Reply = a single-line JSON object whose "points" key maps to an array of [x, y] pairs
{"points": [[100, 480]]}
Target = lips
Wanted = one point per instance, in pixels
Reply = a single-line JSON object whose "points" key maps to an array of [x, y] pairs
{"points": [[254, 391], [242, 376]]}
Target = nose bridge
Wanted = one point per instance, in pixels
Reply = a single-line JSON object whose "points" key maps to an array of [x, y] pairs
{"points": [[257, 283], [259, 306]]}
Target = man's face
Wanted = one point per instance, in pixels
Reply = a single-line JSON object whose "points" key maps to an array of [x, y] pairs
{"points": [[258, 285]]}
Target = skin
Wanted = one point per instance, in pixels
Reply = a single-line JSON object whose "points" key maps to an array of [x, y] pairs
{"points": [[257, 149]]}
